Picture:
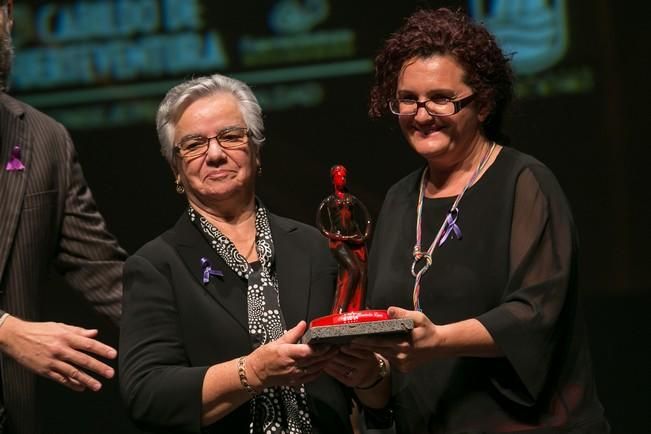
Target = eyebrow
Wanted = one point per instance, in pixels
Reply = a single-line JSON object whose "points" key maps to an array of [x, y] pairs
{"points": [[195, 135], [447, 93]]}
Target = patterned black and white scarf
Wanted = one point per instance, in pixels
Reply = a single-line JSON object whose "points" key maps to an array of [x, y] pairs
{"points": [[279, 409]]}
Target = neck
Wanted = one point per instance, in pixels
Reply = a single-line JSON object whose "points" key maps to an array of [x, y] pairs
{"points": [[230, 211], [448, 178], [236, 222]]}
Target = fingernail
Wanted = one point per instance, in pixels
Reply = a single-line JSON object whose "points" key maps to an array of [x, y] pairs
{"points": [[108, 373], [111, 353]]}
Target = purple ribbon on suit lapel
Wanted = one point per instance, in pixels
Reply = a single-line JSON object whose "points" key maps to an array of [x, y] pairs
{"points": [[451, 226], [14, 164], [207, 270]]}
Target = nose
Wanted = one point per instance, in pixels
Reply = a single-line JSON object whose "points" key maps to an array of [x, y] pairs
{"points": [[215, 152], [422, 115]]}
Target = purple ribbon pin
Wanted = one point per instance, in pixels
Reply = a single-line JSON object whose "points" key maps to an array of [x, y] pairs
{"points": [[451, 226], [208, 271], [14, 163]]}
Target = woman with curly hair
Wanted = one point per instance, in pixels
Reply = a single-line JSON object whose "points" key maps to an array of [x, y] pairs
{"points": [[477, 247]]}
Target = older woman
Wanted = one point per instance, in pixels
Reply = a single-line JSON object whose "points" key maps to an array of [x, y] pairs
{"points": [[478, 247], [215, 306]]}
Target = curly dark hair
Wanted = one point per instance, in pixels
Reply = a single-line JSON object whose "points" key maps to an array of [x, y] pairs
{"points": [[444, 32]]}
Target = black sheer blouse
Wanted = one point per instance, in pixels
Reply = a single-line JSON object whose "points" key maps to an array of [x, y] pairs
{"points": [[515, 271]]}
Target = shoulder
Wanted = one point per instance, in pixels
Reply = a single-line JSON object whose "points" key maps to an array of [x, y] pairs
{"points": [[284, 225], [519, 162], [532, 173], [400, 197], [405, 188], [154, 246], [298, 237], [157, 252], [12, 107], [536, 189], [44, 135]]}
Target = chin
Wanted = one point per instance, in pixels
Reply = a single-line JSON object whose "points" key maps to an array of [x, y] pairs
{"points": [[430, 147], [215, 190], [223, 192]]}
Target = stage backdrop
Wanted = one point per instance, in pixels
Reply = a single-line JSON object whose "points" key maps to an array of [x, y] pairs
{"points": [[101, 68]]}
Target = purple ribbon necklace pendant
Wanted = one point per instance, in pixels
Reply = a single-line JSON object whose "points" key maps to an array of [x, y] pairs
{"points": [[14, 164], [448, 230], [451, 226], [207, 271]]}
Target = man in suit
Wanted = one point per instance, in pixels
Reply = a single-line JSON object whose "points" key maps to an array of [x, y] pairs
{"points": [[47, 217]]}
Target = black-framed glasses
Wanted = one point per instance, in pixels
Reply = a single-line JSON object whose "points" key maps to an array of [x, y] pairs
{"points": [[435, 107], [196, 145]]}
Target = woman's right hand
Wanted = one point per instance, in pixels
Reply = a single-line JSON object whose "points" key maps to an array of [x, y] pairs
{"points": [[405, 352], [287, 362], [465, 338]]}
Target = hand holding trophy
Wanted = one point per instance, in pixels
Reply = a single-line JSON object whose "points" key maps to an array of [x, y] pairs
{"points": [[345, 221]]}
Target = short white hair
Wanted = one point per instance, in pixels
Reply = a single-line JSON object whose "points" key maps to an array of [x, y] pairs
{"points": [[184, 94]]}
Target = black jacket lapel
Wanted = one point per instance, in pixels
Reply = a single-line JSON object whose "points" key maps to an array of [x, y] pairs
{"points": [[226, 289], [291, 263], [292, 269]]}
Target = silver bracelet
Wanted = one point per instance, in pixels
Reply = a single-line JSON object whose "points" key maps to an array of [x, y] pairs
{"points": [[241, 371]]}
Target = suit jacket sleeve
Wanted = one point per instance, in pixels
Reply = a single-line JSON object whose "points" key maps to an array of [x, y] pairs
{"points": [[160, 388], [88, 256]]}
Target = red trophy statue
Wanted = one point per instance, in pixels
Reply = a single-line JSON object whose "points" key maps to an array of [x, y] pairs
{"points": [[345, 221]]}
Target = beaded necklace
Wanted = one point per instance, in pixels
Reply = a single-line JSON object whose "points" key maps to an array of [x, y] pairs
{"points": [[449, 225]]}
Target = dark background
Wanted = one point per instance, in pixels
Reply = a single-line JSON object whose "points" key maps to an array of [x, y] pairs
{"points": [[594, 141]]}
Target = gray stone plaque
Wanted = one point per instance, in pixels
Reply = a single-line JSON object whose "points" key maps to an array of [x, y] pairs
{"points": [[343, 333]]}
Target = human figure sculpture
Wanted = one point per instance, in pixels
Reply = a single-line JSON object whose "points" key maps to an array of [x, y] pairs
{"points": [[346, 222]]}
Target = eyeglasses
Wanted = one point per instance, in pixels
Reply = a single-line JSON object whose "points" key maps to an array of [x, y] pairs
{"points": [[196, 145], [435, 107]]}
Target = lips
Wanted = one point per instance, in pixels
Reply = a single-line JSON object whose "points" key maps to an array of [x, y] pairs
{"points": [[426, 131], [219, 174]]}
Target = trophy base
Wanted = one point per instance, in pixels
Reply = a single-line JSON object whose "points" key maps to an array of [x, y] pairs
{"points": [[342, 328]]}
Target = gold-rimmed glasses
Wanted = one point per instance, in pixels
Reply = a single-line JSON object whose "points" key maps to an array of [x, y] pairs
{"points": [[193, 146]]}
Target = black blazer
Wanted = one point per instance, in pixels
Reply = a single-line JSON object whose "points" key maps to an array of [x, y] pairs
{"points": [[47, 217], [174, 327]]}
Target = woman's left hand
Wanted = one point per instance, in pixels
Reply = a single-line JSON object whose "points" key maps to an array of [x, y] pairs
{"points": [[405, 352], [287, 362], [353, 367]]}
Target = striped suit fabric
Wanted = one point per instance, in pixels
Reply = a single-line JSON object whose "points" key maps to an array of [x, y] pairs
{"points": [[48, 218]]}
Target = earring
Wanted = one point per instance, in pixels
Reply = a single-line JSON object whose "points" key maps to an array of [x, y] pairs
{"points": [[179, 187], [259, 171]]}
